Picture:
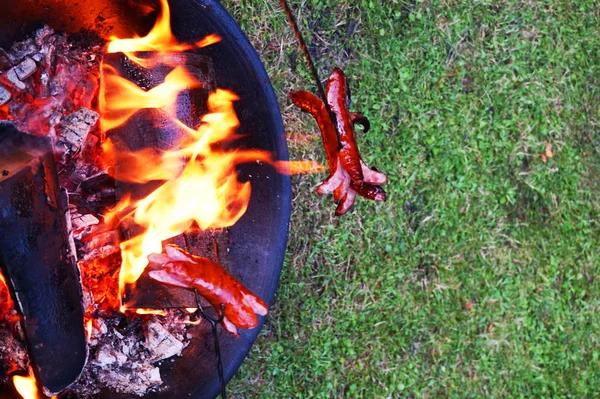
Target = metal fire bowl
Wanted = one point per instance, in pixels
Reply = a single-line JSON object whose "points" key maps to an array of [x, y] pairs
{"points": [[258, 240]]}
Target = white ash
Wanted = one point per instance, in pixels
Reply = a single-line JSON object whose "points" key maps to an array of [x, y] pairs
{"points": [[12, 348], [13, 80], [25, 68], [161, 343], [101, 245], [73, 130], [5, 95], [127, 359], [83, 221], [24, 48], [81, 224]]}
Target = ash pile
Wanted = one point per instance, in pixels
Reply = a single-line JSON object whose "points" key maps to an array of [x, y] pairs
{"points": [[49, 88]]}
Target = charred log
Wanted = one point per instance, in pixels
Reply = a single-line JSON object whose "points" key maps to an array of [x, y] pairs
{"points": [[37, 258]]}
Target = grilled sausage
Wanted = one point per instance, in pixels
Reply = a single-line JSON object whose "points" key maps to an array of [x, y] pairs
{"points": [[337, 99], [213, 282]]}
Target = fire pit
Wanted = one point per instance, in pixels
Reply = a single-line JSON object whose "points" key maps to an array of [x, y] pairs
{"points": [[253, 248]]}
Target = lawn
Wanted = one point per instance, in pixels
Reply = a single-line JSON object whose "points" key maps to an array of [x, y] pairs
{"points": [[479, 277]]}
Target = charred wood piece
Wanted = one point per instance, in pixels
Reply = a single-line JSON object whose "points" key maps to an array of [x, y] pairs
{"points": [[38, 260]]}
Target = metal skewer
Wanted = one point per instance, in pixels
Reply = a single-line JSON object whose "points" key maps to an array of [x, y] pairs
{"points": [[311, 65], [213, 322]]}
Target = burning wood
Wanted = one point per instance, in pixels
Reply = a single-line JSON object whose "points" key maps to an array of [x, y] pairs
{"points": [[44, 99], [179, 181]]}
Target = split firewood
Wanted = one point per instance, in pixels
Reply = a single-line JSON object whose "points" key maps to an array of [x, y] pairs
{"points": [[37, 257]]}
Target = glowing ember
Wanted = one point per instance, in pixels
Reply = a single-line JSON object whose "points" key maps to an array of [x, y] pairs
{"points": [[89, 328], [193, 323], [7, 305], [157, 312]]}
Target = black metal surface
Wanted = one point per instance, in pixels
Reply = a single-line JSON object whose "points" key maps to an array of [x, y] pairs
{"points": [[37, 260], [258, 241]]}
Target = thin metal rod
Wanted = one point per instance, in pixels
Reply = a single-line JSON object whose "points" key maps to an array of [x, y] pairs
{"points": [[213, 324], [311, 65]]}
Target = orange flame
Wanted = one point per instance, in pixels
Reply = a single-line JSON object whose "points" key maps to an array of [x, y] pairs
{"points": [[27, 387], [157, 312], [206, 192], [201, 187], [192, 322], [89, 328], [7, 305], [159, 39], [120, 98]]}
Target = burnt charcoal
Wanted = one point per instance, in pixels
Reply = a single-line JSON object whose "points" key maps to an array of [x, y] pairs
{"points": [[141, 76], [12, 353], [97, 183], [149, 294], [38, 260], [22, 49], [42, 33], [5, 60]]}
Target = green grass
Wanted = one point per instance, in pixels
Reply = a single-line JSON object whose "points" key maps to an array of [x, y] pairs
{"points": [[462, 97]]}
